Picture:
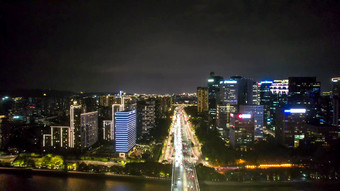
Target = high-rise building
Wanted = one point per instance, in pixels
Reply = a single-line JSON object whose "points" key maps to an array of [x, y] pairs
{"points": [[214, 91], [290, 126], [202, 100], [335, 101], [5, 131], [89, 128], [108, 130], [59, 137], [241, 131], [228, 92], [227, 104], [279, 90], [75, 111], [305, 92], [146, 118], [257, 112], [107, 100], [82, 132], [280, 87], [266, 99], [125, 130], [108, 125], [326, 108], [256, 94], [244, 90], [163, 106], [223, 118]]}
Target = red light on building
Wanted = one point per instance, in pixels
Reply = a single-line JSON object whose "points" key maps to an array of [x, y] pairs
{"points": [[32, 107], [244, 116]]}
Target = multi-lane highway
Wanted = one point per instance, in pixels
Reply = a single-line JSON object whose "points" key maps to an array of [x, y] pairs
{"points": [[182, 154]]}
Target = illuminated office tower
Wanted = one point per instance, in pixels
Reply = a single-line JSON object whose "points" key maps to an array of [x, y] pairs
{"points": [[125, 130], [279, 90], [244, 90], [228, 92], [266, 99], [256, 94], [241, 132], [214, 91], [335, 101], [202, 100], [290, 126], [325, 104], [280, 87], [75, 111], [226, 105], [304, 92], [223, 119], [89, 128], [257, 112]]}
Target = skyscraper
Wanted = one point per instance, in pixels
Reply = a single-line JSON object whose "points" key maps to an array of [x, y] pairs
{"points": [[266, 99], [228, 92], [125, 130], [257, 112], [146, 118], [227, 104], [75, 111], [89, 128], [213, 90], [241, 132], [244, 90], [305, 92], [202, 99], [290, 126], [336, 100]]}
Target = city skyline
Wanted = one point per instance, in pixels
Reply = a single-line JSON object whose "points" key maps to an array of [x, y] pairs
{"points": [[165, 47], [170, 95]]}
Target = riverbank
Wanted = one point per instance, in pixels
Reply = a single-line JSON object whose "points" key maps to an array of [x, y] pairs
{"points": [[78, 174], [270, 183]]}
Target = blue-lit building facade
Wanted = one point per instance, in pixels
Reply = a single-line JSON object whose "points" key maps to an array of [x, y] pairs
{"points": [[125, 131], [266, 99]]}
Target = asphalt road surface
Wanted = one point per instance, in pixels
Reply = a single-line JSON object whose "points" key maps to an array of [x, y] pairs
{"points": [[184, 158]]}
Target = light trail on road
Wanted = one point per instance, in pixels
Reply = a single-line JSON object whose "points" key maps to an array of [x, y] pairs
{"points": [[184, 175]]}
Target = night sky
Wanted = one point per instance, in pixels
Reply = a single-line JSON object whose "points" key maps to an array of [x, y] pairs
{"points": [[164, 46]]}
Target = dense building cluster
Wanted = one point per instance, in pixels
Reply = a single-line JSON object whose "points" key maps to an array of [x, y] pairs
{"points": [[45, 121], [293, 110]]}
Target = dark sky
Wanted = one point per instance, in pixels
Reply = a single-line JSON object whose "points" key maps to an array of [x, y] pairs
{"points": [[164, 46]]}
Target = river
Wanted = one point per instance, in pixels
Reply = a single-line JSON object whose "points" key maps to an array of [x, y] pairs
{"points": [[14, 182]]}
